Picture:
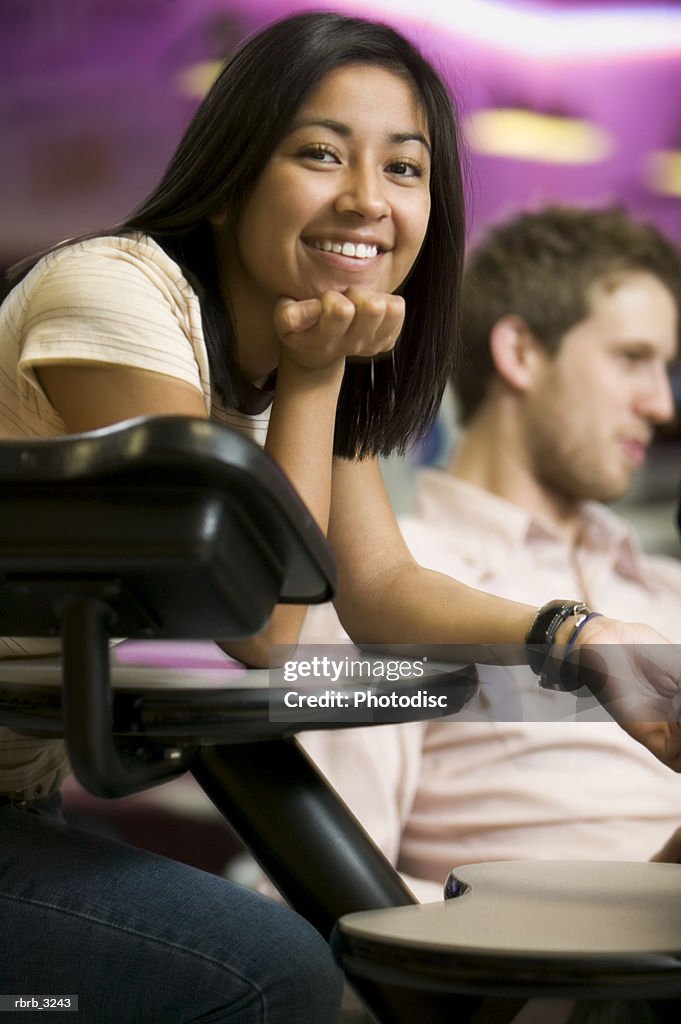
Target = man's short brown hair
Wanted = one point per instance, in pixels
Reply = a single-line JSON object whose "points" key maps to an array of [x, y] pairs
{"points": [[541, 267]]}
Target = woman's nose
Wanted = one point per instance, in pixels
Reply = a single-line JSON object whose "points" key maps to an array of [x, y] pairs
{"points": [[363, 193]]}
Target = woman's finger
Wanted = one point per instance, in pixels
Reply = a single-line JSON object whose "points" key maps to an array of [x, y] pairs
{"points": [[292, 316]]}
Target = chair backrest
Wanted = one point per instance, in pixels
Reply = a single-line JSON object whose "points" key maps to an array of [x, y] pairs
{"points": [[183, 527], [164, 527]]}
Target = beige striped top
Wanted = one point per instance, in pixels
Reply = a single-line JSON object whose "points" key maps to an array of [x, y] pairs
{"points": [[117, 300]]}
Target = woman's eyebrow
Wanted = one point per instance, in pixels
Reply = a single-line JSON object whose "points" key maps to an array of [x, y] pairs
{"points": [[399, 137], [346, 131]]}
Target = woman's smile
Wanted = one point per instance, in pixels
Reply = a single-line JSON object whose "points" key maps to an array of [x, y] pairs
{"points": [[340, 262], [352, 250], [344, 199]]}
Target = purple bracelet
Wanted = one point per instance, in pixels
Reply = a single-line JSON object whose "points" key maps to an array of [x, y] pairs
{"points": [[568, 674], [578, 629]]}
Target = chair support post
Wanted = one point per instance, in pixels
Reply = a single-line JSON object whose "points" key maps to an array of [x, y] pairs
{"points": [[312, 847], [88, 706]]}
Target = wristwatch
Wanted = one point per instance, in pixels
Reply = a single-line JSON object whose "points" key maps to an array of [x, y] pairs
{"points": [[541, 637]]}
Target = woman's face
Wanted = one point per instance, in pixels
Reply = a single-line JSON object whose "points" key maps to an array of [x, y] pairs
{"points": [[344, 199]]}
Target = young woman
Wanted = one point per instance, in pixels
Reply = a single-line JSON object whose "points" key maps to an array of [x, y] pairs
{"points": [[294, 274]]}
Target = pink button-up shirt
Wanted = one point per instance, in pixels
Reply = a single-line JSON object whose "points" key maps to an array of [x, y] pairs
{"points": [[521, 774]]}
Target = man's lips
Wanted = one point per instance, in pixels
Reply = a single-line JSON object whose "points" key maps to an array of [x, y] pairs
{"points": [[636, 450]]}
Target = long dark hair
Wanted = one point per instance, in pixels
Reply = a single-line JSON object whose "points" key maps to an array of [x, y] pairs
{"points": [[225, 148]]}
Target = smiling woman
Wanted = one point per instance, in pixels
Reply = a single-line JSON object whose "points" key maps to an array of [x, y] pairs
{"points": [[288, 245], [346, 194], [338, 185], [272, 138], [296, 275]]}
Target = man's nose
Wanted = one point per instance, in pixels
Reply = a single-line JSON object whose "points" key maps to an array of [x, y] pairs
{"points": [[656, 401]]}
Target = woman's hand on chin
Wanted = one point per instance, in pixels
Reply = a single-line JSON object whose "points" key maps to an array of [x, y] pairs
{"points": [[316, 333]]}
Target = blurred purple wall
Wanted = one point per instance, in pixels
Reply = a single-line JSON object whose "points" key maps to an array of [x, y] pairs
{"points": [[90, 109]]}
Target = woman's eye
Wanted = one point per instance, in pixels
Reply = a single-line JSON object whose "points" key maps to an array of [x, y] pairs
{"points": [[321, 154], [405, 169]]}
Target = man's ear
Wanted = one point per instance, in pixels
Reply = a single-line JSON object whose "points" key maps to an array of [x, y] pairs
{"points": [[515, 351]]}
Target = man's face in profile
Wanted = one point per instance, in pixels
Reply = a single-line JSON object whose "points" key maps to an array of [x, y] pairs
{"points": [[592, 407]]}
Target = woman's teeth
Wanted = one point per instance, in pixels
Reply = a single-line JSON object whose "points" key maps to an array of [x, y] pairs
{"points": [[359, 252]]}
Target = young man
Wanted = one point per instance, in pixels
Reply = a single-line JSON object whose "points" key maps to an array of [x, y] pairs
{"points": [[570, 318]]}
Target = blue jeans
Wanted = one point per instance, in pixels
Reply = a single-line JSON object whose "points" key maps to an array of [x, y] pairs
{"points": [[140, 938]]}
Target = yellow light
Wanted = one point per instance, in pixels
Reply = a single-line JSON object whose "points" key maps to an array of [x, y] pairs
{"points": [[196, 79], [664, 171], [526, 135]]}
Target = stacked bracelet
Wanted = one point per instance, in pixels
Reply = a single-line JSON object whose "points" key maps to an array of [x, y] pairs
{"points": [[578, 629], [541, 637], [568, 673]]}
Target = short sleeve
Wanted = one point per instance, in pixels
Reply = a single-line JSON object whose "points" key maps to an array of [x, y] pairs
{"points": [[121, 301]]}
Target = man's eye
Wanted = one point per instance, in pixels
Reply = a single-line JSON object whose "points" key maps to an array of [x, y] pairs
{"points": [[634, 355]]}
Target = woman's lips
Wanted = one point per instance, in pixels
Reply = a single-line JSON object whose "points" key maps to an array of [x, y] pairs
{"points": [[349, 256], [355, 250]]}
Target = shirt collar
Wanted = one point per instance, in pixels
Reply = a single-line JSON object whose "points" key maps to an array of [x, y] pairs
{"points": [[602, 529], [255, 398], [489, 527]]}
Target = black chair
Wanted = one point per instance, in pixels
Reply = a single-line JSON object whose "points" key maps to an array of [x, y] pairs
{"points": [[179, 528]]}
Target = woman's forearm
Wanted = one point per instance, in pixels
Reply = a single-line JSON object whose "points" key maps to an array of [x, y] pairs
{"points": [[412, 605]]}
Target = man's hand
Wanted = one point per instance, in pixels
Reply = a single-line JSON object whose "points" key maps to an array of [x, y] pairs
{"points": [[316, 333]]}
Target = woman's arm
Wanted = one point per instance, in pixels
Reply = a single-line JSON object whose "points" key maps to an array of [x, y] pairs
{"points": [[316, 336], [88, 396], [385, 598], [300, 439]]}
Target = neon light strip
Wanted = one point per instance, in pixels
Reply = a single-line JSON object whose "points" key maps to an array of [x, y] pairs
{"points": [[529, 30]]}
